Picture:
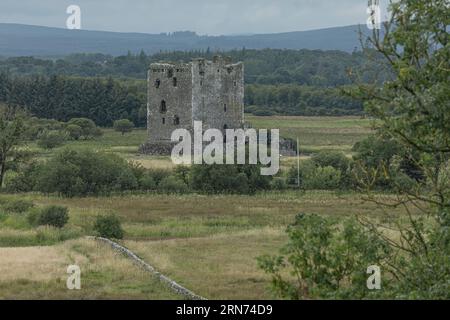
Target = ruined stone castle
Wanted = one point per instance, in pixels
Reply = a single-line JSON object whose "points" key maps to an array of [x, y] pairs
{"points": [[181, 93]]}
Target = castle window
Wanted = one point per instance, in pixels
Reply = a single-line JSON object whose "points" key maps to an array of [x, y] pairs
{"points": [[176, 120], [201, 83], [235, 83], [163, 120], [225, 139], [163, 107], [175, 82], [157, 83], [225, 107], [170, 73]]}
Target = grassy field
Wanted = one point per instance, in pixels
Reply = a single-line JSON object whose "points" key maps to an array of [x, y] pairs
{"points": [[40, 273], [207, 243], [317, 133], [314, 134]]}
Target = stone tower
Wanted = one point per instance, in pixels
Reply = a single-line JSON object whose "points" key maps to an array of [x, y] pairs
{"points": [[179, 94]]}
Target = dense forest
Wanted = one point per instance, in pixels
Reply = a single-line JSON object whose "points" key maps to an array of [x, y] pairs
{"points": [[286, 82], [63, 98]]}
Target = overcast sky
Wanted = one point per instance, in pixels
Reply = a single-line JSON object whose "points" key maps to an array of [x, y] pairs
{"points": [[213, 17]]}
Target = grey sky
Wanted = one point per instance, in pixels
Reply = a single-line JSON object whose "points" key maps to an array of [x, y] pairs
{"points": [[212, 17]]}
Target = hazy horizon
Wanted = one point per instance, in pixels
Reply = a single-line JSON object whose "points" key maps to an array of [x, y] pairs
{"points": [[205, 17]]}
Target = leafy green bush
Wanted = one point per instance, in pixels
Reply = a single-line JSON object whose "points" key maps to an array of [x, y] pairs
{"points": [[146, 182], [36, 126], [33, 217], [84, 172], [55, 216], [323, 178], [172, 184], [334, 159], [25, 179], [126, 180], [239, 179], [74, 131], [314, 177], [278, 183], [51, 139], [305, 170], [158, 174], [109, 227], [89, 129], [328, 261], [17, 206]]}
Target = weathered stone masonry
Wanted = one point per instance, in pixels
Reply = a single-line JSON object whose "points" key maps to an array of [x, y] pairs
{"points": [[181, 93]]}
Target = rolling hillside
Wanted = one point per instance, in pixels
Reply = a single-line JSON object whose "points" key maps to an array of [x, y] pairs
{"points": [[26, 40]]}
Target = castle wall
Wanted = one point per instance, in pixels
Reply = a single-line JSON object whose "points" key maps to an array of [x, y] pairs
{"points": [[179, 94], [169, 100], [218, 93]]}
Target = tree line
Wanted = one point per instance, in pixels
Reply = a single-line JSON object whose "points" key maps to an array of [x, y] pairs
{"points": [[268, 66], [63, 98], [284, 82]]}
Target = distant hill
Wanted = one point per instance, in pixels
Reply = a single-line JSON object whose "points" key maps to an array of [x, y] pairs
{"points": [[26, 40]]}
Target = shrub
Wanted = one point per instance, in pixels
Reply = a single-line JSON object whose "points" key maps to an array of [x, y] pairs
{"points": [[183, 173], [278, 183], [84, 172], [35, 127], [51, 139], [24, 180], [89, 129], [375, 151], [323, 178], [172, 184], [315, 177], [305, 170], [158, 174], [126, 181], [55, 216], [74, 131], [108, 227], [146, 182], [240, 179], [123, 126], [33, 217], [334, 159], [18, 206], [328, 261]]}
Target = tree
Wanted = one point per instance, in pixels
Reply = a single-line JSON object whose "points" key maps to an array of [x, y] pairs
{"points": [[12, 130], [323, 262], [88, 127], [413, 110], [123, 126]]}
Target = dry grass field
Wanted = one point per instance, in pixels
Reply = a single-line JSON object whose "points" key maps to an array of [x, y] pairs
{"points": [[207, 243], [40, 273]]}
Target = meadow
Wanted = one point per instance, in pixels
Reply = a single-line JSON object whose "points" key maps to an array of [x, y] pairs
{"points": [[314, 134], [208, 244]]}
